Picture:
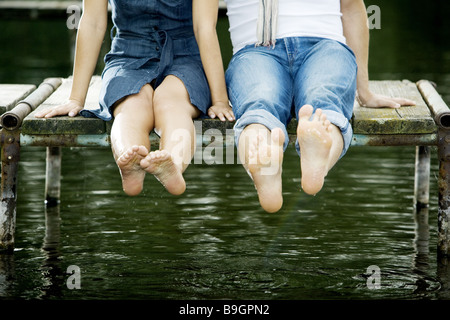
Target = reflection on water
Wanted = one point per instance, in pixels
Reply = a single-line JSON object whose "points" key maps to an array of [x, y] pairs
{"points": [[214, 242]]}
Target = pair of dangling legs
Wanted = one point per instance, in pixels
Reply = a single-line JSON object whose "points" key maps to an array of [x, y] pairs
{"points": [[261, 153], [167, 110], [313, 78]]}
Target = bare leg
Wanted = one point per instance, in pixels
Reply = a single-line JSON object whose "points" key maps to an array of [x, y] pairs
{"points": [[261, 153], [321, 145], [133, 121], [173, 121]]}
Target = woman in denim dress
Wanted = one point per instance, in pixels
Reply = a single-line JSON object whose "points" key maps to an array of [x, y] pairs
{"points": [[153, 80]]}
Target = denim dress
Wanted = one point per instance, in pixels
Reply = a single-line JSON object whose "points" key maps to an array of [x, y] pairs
{"points": [[151, 39]]}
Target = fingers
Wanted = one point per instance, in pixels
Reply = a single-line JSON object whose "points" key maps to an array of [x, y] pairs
{"points": [[381, 101], [221, 114], [229, 115], [396, 102], [69, 110], [404, 102], [389, 103], [45, 113], [211, 113], [74, 111]]}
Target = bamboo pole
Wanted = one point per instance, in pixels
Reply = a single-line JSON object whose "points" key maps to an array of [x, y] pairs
{"points": [[12, 120], [437, 105]]}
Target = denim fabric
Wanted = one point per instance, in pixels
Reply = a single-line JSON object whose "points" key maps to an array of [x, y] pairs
{"points": [[269, 85], [151, 39]]}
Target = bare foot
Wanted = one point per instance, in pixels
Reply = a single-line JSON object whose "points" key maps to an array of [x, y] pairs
{"points": [[161, 165], [264, 166], [131, 171], [315, 144]]}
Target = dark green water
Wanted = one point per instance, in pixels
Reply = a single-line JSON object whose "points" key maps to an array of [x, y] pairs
{"points": [[214, 242]]}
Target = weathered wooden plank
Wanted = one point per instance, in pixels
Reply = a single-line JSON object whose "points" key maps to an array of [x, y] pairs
{"points": [[378, 121], [427, 139], [66, 125], [65, 140], [11, 94], [405, 120], [366, 121]]}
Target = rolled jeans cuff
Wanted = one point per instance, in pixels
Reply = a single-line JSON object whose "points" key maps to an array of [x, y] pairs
{"points": [[343, 124]]}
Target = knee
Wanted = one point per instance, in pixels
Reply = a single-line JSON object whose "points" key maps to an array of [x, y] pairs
{"points": [[145, 95], [139, 103], [165, 102], [162, 102]]}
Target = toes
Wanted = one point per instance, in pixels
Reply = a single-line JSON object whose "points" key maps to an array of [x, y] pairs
{"points": [[323, 120], [144, 162], [318, 115], [131, 152], [162, 155], [134, 151], [157, 155], [125, 156], [141, 150], [306, 111], [277, 136]]}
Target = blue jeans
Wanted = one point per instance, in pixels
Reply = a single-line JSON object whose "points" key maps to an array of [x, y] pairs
{"points": [[268, 85]]}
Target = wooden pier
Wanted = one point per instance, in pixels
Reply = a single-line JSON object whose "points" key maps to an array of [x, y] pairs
{"points": [[424, 125]]}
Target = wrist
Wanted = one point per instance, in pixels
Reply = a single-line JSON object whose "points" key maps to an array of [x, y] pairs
{"points": [[77, 101], [363, 95], [220, 103]]}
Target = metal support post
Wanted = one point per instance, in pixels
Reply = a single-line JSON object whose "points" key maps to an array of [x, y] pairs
{"points": [[422, 177], [444, 193], [10, 155]]}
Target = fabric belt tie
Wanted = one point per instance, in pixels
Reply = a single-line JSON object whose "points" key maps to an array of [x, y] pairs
{"points": [[166, 58]]}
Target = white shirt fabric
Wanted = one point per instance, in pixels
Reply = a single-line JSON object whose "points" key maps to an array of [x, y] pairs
{"points": [[296, 18]]}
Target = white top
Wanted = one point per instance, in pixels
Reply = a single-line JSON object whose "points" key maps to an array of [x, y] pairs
{"points": [[296, 18]]}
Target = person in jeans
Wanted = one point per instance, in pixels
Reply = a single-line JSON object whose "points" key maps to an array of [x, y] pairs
{"points": [[292, 58]]}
